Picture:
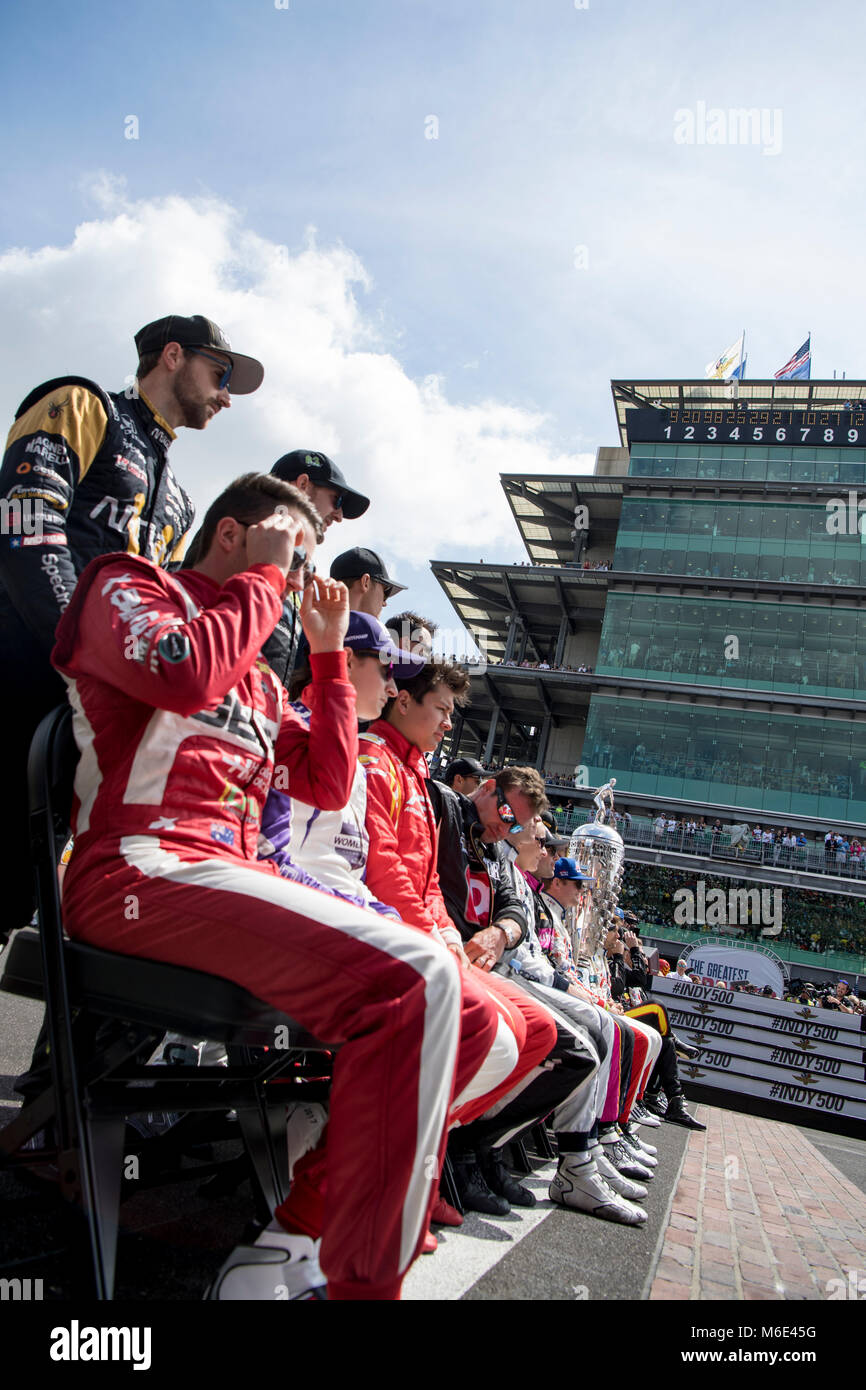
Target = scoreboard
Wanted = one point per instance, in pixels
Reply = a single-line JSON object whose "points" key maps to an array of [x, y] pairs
{"points": [[732, 425]]}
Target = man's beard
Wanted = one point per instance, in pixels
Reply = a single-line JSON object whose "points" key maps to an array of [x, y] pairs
{"points": [[196, 411]]}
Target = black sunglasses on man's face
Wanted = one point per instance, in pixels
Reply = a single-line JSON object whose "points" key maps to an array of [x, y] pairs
{"points": [[228, 367], [506, 815]]}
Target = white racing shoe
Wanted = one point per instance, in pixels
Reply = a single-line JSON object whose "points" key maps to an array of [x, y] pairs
{"points": [[640, 1115], [637, 1138], [642, 1154], [622, 1186], [580, 1186], [278, 1268], [624, 1160]]}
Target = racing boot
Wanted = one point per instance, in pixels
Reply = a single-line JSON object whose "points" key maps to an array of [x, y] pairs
{"points": [[641, 1154], [623, 1159], [579, 1185], [622, 1186], [640, 1115], [677, 1114], [637, 1138], [501, 1182], [472, 1187]]}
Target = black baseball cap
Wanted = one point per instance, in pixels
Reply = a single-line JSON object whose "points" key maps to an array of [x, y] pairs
{"points": [[357, 561], [324, 473], [557, 842], [463, 767], [197, 331]]}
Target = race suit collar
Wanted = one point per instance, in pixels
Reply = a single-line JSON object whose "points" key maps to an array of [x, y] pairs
{"points": [[399, 744], [163, 423], [200, 585]]}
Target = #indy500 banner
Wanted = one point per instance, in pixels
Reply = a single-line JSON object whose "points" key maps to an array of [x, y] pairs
{"points": [[789, 1053]]}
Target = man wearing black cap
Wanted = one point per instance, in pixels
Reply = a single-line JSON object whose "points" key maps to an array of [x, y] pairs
{"points": [[86, 472], [365, 576], [319, 478], [322, 483], [464, 775]]}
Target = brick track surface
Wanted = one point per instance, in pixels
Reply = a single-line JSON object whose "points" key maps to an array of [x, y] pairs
{"points": [[759, 1213]]}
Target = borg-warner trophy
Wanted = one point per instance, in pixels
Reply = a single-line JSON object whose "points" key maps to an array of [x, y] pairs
{"points": [[598, 848]]}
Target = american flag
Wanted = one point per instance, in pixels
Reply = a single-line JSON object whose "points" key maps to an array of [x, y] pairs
{"points": [[798, 367]]}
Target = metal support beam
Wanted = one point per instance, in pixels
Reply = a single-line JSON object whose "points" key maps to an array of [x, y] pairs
{"points": [[491, 737], [564, 628], [542, 742], [506, 735], [546, 701], [511, 638]]}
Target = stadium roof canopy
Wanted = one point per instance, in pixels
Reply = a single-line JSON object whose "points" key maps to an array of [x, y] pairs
{"points": [[486, 596], [525, 696], [839, 394], [544, 505]]}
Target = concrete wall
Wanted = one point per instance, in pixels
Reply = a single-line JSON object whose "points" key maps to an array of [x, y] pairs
{"points": [[611, 462], [564, 748], [582, 648]]}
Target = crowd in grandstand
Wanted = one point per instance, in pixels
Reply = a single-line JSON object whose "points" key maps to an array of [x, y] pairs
{"points": [[807, 923], [431, 932]]}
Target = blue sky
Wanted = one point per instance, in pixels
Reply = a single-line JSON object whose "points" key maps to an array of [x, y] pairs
{"points": [[449, 258]]}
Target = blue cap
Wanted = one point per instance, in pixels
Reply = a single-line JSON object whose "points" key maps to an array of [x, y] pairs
{"points": [[366, 634], [568, 868]]}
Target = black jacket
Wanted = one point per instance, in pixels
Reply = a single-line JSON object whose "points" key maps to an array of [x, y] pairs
{"points": [[476, 879], [624, 977], [287, 646], [85, 472]]}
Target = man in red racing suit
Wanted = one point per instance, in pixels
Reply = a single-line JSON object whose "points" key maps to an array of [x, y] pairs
{"points": [[180, 726]]}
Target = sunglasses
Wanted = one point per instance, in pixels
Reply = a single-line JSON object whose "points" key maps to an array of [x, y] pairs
{"points": [[228, 367], [506, 815], [299, 557]]}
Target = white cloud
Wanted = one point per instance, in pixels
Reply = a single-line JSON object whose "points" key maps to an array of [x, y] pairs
{"points": [[431, 466]]}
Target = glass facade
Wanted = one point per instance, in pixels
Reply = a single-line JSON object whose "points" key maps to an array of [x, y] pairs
{"points": [[790, 764], [790, 647], [750, 462], [776, 541]]}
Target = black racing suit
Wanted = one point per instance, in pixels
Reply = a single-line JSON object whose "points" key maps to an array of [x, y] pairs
{"points": [[85, 472], [475, 878]]}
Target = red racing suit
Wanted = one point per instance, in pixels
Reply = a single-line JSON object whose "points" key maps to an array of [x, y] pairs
{"points": [[179, 723], [401, 871]]}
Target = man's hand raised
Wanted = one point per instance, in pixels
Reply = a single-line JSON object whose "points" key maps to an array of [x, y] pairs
{"points": [[272, 541], [325, 614]]}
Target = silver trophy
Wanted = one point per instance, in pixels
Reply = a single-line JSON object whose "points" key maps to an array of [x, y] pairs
{"points": [[598, 848]]}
